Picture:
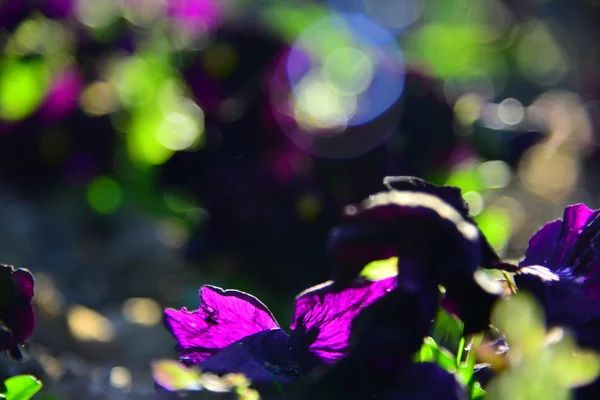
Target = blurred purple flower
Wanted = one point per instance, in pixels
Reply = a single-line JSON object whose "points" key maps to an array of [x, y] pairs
{"points": [[234, 332], [562, 269], [57, 8], [429, 229], [17, 319], [195, 15], [12, 12], [63, 95]]}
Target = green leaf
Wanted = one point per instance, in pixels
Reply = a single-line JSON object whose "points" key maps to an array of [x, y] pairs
{"points": [[447, 331], [465, 373], [446, 360], [21, 387], [477, 392], [175, 376], [466, 369], [428, 351]]}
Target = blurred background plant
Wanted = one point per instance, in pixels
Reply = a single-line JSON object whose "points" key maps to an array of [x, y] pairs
{"points": [[147, 148], [542, 364]]}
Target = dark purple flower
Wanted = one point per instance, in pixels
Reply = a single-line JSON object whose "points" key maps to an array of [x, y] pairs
{"points": [[17, 319], [562, 269], [232, 331], [57, 8], [417, 381], [429, 229], [62, 96], [385, 337]]}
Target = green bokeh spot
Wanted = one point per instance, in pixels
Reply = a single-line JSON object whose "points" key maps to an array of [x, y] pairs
{"points": [[142, 140], [381, 269], [290, 21], [179, 202], [466, 178], [496, 225], [456, 50], [174, 376], [23, 86], [104, 195]]}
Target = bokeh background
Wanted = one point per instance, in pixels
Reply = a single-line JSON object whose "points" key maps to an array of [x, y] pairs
{"points": [[148, 147]]}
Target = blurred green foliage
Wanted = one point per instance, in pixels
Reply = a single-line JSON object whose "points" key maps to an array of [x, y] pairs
{"points": [[544, 365]]}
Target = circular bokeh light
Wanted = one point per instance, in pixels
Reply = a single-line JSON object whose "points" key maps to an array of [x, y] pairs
{"points": [[335, 93], [395, 15], [359, 61]]}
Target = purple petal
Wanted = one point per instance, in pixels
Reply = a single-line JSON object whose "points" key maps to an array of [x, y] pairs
{"points": [[562, 270], [223, 317], [197, 14], [23, 281], [262, 357], [541, 244], [17, 316], [552, 244], [472, 300], [451, 195], [407, 224], [426, 381], [324, 317], [21, 321], [566, 304], [63, 95], [349, 379]]}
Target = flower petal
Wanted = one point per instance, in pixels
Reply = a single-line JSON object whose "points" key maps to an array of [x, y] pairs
{"points": [[417, 382], [262, 357], [223, 317], [385, 337], [562, 270], [406, 223], [17, 316], [23, 281], [472, 300], [323, 317], [21, 321], [566, 303], [429, 229], [451, 195], [552, 245]]}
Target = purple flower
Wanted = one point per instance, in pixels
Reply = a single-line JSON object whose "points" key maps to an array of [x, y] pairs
{"points": [[418, 381], [429, 229], [232, 331], [17, 319], [63, 94], [386, 335], [562, 269], [57, 8], [195, 15]]}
